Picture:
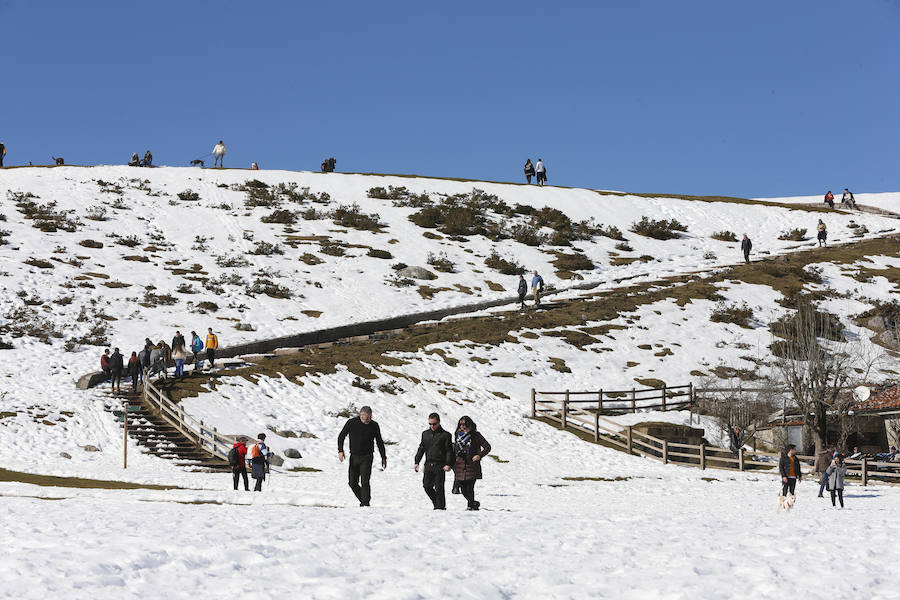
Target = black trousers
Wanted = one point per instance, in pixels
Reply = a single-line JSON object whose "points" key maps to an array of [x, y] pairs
{"points": [[433, 482], [840, 495], [237, 474], [358, 477], [258, 486], [468, 491], [746, 256], [788, 486], [211, 356], [116, 378]]}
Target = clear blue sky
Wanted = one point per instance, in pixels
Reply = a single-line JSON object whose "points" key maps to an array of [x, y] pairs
{"points": [[758, 98]]}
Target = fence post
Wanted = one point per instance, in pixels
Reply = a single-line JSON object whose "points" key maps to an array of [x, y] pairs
{"points": [[740, 459], [865, 471], [597, 426], [628, 437], [665, 452], [565, 410], [633, 409], [600, 400], [664, 398], [702, 457], [533, 405]]}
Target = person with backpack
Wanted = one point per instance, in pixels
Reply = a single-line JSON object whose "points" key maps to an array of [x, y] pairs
{"points": [[177, 340], [470, 447], [789, 468], [541, 171], [144, 359], [847, 199], [116, 366], [134, 369], [836, 473], [219, 154], [822, 234], [746, 245], [829, 199], [364, 434], [436, 446], [523, 290], [237, 459], [148, 159], [212, 343], [529, 171], [196, 348], [2, 153], [537, 288], [259, 461]]}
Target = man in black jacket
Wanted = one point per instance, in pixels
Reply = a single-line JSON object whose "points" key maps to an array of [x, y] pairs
{"points": [[437, 448], [789, 467], [746, 245], [364, 433]]}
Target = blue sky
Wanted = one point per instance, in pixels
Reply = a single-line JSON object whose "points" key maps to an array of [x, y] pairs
{"points": [[740, 98]]}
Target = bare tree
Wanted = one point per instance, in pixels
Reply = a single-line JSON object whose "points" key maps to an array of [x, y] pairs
{"points": [[741, 411]]}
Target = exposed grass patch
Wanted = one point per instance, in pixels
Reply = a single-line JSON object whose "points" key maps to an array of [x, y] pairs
{"points": [[738, 314], [77, 482], [315, 314], [651, 383], [724, 236], [658, 229]]}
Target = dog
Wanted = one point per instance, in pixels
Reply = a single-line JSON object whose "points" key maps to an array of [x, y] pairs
{"points": [[786, 503], [195, 163], [59, 161]]}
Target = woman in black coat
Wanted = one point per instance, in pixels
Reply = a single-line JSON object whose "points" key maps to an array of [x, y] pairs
{"points": [[470, 447]]}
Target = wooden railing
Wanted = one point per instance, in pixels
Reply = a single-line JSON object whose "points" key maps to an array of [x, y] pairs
{"points": [[206, 438], [621, 401], [568, 411]]}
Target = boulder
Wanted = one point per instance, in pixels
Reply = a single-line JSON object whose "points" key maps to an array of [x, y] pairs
{"points": [[65, 455], [879, 323], [416, 273], [889, 339], [90, 448], [292, 453], [276, 461]]}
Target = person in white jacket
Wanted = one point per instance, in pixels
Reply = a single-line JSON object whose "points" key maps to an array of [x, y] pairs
{"points": [[541, 171], [219, 153]]}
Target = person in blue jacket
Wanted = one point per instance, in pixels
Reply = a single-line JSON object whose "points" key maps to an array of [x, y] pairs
{"points": [[537, 287], [196, 348]]}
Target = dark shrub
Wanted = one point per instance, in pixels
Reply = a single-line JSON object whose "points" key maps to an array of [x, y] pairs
{"points": [[266, 249], [573, 262], [724, 236], [441, 262], [350, 216], [507, 267], [658, 229], [793, 235], [188, 196], [733, 313], [379, 254], [284, 217]]}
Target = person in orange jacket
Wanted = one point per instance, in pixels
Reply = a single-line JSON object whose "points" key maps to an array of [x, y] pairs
{"points": [[212, 343]]}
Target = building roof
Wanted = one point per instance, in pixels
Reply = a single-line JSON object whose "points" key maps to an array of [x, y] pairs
{"points": [[888, 399]]}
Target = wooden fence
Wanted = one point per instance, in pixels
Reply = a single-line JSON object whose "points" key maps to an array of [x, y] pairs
{"points": [[206, 438], [572, 410]]}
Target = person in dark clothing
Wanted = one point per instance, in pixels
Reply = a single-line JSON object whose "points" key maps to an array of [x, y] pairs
{"points": [[529, 170], [523, 290], [259, 461], [134, 369], [829, 199], [823, 460], [364, 434], [104, 364], [789, 467], [177, 340], [470, 447], [148, 159], [746, 245], [116, 366], [822, 234], [135, 161], [240, 470], [2, 153], [836, 473], [847, 199], [437, 448]]}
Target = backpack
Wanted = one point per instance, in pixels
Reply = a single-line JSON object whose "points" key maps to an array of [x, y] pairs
{"points": [[234, 457]]}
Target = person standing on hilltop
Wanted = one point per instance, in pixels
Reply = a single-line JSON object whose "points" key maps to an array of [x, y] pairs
{"points": [[364, 434], [529, 171], [212, 343], [219, 153], [541, 171], [746, 245], [2, 153]]}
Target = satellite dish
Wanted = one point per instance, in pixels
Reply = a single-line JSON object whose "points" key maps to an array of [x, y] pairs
{"points": [[861, 393]]}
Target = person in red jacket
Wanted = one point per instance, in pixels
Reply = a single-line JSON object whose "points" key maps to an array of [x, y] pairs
{"points": [[241, 468], [104, 364]]}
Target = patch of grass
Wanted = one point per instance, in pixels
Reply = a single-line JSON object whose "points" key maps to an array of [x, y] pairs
{"points": [[311, 259], [266, 249], [559, 364], [793, 235], [188, 196], [617, 478], [738, 314], [76, 482], [40, 263], [724, 236], [494, 287], [315, 314], [651, 383], [90, 244], [283, 217], [440, 262], [384, 254], [658, 229], [507, 267], [304, 470], [572, 262], [350, 216]]}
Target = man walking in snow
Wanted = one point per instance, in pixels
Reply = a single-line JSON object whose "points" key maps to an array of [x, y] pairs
{"points": [[237, 458], [746, 245], [789, 467], [823, 460], [523, 290], [364, 434], [219, 154], [437, 448], [116, 366], [196, 348], [537, 287], [212, 343], [541, 171]]}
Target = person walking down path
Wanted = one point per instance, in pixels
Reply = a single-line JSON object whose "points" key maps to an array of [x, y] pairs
{"points": [[104, 364], [116, 366], [822, 234], [823, 460], [219, 153], [529, 171], [470, 447], [196, 348], [746, 245], [541, 171], [829, 199], [789, 467], [537, 288], [237, 458], [364, 434], [134, 369], [836, 473], [212, 344], [523, 290], [259, 461], [847, 199], [2, 153], [437, 448], [144, 358]]}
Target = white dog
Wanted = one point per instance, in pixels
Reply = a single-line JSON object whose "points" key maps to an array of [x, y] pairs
{"points": [[786, 503]]}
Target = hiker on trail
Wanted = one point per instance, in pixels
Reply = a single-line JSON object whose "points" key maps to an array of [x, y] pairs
{"points": [[104, 364], [789, 467], [134, 369], [2, 153], [116, 366], [847, 199], [529, 171], [177, 340], [237, 458], [148, 159], [437, 448], [470, 447], [157, 360], [212, 343], [746, 245], [541, 171], [364, 434], [144, 358], [219, 153], [835, 474], [523, 290], [822, 234], [196, 348], [829, 199], [259, 461], [823, 459], [537, 287], [180, 355], [166, 351]]}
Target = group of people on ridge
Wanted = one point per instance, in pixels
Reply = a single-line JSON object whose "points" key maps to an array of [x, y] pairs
{"points": [[147, 161], [847, 200], [539, 171]]}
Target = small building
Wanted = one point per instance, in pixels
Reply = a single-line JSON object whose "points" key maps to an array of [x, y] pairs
{"points": [[885, 406]]}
